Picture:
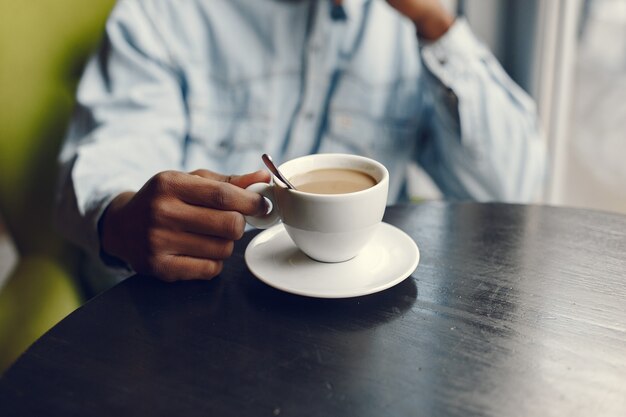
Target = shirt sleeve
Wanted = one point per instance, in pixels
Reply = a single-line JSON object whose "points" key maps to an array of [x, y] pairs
{"points": [[483, 140], [128, 125]]}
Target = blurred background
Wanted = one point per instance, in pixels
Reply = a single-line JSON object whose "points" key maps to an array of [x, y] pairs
{"points": [[43, 47], [570, 55]]}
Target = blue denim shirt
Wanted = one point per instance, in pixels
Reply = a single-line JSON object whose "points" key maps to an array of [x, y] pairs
{"points": [[215, 83]]}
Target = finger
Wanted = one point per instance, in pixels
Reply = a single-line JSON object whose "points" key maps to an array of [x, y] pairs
{"points": [[225, 224], [219, 195], [184, 268], [197, 246]]}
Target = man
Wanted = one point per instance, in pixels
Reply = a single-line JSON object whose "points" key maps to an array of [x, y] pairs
{"points": [[182, 87]]}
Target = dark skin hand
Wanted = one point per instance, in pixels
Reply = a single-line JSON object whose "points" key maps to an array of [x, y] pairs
{"points": [[181, 226], [431, 19]]}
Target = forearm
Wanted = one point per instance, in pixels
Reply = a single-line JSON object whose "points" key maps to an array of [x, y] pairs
{"points": [[485, 135], [129, 124], [82, 198]]}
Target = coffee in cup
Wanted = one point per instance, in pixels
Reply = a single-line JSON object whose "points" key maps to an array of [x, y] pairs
{"points": [[338, 202], [332, 181]]}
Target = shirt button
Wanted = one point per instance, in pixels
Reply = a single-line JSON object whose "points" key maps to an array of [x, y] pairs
{"points": [[344, 121], [442, 58], [315, 45], [309, 115]]}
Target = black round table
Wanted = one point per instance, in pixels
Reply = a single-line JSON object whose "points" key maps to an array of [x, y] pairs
{"points": [[513, 311]]}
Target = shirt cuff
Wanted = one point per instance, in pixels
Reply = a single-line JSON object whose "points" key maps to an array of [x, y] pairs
{"points": [[99, 271], [94, 217], [452, 54]]}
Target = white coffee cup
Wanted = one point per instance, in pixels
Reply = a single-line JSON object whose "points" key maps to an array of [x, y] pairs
{"points": [[327, 227]]}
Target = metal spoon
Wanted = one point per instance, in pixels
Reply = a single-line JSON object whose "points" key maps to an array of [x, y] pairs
{"points": [[269, 163]]}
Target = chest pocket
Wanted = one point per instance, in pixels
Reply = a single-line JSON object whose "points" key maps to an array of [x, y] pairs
{"points": [[375, 119], [228, 118]]}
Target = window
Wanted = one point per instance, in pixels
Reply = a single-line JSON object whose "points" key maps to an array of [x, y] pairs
{"points": [[595, 156]]}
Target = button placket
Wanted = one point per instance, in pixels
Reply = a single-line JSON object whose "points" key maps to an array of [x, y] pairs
{"points": [[316, 85]]}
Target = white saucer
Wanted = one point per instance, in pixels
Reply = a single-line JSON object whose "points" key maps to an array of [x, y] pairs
{"points": [[388, 259]]}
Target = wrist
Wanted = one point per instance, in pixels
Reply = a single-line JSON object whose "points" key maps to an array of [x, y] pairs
{"points": [[434, 25], [111, 227]]}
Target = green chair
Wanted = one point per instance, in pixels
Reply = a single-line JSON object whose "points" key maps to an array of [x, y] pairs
{"points": [[43, 47]]}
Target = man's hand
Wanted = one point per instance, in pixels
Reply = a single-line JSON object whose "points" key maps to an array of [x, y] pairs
{"points": [[431, 19], [180, 226]]}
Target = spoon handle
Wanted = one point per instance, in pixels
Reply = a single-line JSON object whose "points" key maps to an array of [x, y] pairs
{"points": [[269, 163]]}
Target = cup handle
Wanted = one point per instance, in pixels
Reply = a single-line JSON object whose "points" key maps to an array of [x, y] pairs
{"points": [[271, 217]]}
